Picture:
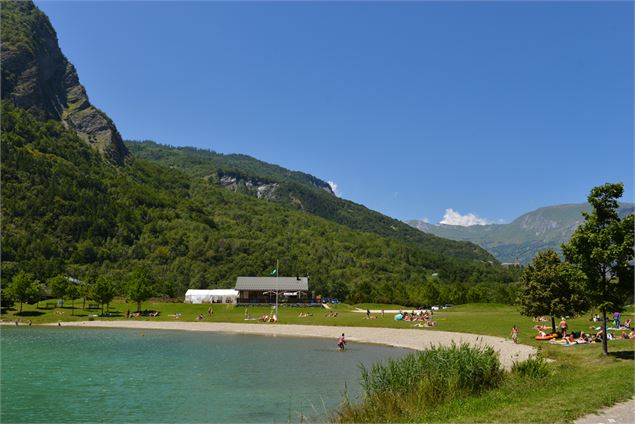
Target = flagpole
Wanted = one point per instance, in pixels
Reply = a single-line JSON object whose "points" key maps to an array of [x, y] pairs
{"points": [[277, 274]]}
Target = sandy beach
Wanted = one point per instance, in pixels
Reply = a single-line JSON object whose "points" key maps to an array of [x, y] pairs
{"points": [[412, 339]]}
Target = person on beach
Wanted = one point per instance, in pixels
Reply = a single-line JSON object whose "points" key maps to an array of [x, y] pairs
{"points": [[341, 342], [30, 323], [515, 333], [210, 311], [368, 313]]}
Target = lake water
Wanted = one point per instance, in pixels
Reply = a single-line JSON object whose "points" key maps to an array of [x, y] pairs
{"points": [[114, 375]]}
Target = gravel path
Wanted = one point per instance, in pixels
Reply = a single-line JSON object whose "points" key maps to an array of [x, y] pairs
{"points": [[621, 413], [412, 339]]}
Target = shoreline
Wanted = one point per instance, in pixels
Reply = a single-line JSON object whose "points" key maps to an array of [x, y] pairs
{"points": [[404, 338]]}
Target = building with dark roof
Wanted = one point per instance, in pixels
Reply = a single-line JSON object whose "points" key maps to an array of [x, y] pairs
{"points": [[263, 289]]}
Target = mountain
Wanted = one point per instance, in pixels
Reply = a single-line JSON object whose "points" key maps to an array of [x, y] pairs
{"points": [[295, 190], [37, 77], [544, 228], [67, 210]]}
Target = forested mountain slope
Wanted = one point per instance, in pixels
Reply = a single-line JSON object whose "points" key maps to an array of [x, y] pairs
{"points": [[74, 206], [296, 190], [66, 209]]}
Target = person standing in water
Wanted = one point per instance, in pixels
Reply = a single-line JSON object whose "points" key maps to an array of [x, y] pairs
{"points": [[341, 342]]}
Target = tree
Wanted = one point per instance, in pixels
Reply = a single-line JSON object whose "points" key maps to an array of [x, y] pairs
{"points": [[139, 287], [59, 286], [103, 291], [602, 249], [551, 287], [24, 288], [72, 292]]}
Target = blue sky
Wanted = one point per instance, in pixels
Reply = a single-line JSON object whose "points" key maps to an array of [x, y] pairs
{"points": [[412, 108]]}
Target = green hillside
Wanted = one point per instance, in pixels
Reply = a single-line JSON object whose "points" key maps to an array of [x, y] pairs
{"points": [[295, 190], [66, 209]]}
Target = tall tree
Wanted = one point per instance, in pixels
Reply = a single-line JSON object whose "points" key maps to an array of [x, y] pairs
{"points": [[552, 287], [73, 292], [139, 287], [59, 286], [24, 288], [103, 291], [602, 248]]}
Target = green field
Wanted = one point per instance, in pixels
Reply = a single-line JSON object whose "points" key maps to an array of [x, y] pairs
{"points": [[581, 380]]}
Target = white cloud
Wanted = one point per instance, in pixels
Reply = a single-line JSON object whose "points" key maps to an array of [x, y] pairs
{"points": [[452, 217], [334, 188]]}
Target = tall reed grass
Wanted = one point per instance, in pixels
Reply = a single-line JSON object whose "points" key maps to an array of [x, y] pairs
{"points": [[533, 367], [401, 387]]}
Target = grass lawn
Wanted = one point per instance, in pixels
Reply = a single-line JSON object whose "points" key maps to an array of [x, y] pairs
{"points": [[581, 379]]}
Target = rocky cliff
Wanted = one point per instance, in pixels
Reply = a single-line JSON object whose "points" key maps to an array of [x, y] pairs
{"points": [[37, 77]]}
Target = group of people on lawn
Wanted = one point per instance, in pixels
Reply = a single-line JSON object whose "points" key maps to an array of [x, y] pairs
{"points": [[145, 313], [580, 337]]}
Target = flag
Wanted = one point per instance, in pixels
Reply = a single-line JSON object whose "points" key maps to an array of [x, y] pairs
{"points": [[274, 273]]}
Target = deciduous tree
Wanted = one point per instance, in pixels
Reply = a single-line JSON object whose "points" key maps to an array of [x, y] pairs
{"points": [[552, 287], [103, 291], [602, 248], [24, 288], [59, 286], [139, 287]]}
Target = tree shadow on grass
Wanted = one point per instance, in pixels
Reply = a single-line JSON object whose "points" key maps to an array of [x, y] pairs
{"points": [[624, 354], [29, 314]]}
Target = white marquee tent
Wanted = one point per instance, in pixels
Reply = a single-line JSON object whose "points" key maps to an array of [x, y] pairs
{"points": [[211, 296]]}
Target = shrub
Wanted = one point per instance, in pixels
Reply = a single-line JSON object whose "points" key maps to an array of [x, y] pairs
{"points": [[405, 386], [441, 371], [534, 367]]}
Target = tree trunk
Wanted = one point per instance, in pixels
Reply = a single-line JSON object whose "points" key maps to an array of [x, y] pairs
{"points": [[139, 306], [553, 324], [20, 308], [73, 307], [84, 303], [102, 309], [605, 345]]}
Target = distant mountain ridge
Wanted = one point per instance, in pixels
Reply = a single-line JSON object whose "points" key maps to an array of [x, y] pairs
{"points": [[544, 228]]}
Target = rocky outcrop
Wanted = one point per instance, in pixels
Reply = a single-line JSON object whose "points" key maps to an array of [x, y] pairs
{"points": [[261, 189], [37, 77]]}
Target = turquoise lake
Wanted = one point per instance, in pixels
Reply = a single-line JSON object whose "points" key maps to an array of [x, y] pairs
{"points": [[115, 375]]}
